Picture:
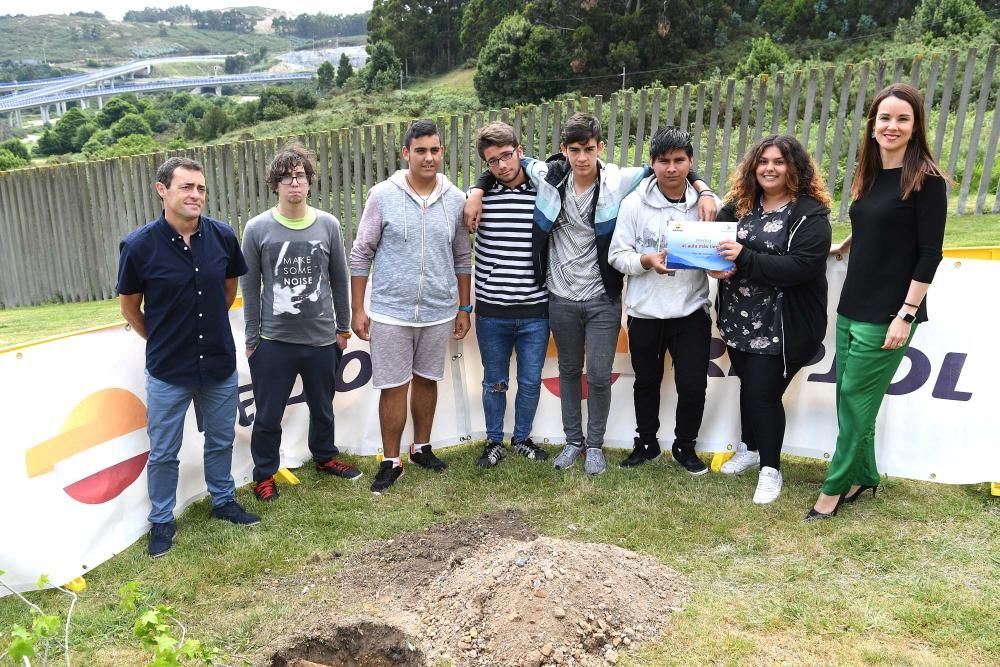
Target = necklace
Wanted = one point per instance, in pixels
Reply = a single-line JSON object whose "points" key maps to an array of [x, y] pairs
{"points": [[424, 198]]}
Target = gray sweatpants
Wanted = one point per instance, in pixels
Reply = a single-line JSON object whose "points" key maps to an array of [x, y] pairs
{"points": [[591, 325]]}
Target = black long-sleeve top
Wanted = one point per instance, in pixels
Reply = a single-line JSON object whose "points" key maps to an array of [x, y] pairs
{"points": [[893, 242]]}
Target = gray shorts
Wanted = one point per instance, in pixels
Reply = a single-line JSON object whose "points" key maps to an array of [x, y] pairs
{"points": [[400, 352]]}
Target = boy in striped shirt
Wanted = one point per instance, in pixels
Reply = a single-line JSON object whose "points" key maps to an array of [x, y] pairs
{"points": [[511, 307]]}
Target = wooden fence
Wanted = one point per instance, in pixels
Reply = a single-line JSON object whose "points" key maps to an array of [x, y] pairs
{"points": [[60, 225]]}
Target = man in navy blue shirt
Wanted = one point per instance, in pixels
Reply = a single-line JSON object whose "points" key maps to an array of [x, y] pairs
{"points": [[177, 278]]}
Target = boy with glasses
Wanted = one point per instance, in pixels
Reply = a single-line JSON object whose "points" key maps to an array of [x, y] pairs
{"points": [[295, 306], [511, 308]]}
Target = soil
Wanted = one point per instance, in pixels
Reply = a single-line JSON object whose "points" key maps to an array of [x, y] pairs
{"points": [[489, 592]]}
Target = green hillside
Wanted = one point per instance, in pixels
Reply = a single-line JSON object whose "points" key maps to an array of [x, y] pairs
{"points": [[75, 39]]}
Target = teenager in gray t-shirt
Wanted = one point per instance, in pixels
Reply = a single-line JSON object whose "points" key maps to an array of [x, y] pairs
{"points": [[297, 316]]}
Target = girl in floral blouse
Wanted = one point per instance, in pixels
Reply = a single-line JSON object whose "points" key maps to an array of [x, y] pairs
{"points": [[772, 305]]}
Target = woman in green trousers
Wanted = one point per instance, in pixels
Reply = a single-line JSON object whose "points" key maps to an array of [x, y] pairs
{"points": [[897, 231]]}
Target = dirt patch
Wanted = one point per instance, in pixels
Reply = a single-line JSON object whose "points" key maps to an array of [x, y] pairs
{"points": [[359, 643], [485, 591], [490, 592]]}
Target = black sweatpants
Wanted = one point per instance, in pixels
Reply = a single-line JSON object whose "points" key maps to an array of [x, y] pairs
{"points": [[763, 380], [688, 340], [273, 368]]}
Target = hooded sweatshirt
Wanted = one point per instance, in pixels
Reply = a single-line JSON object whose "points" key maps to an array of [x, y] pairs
{"points": [[413, 250], [643, 220]]}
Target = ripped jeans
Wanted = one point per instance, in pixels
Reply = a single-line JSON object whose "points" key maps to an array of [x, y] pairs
{"points": [[498, 338]]}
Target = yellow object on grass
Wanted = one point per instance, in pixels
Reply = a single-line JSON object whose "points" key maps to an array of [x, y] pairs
{"points": [[78, 585], [285, 476]]}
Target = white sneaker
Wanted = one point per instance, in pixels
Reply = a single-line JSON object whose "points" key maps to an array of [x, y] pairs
{"points": [[768, 486], [742, 461]]}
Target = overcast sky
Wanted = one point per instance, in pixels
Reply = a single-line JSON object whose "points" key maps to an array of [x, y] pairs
{"points": [[115, 9]]}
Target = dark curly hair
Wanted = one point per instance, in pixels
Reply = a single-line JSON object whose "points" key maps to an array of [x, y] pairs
{"points": [[290, 156], [802, 174]]}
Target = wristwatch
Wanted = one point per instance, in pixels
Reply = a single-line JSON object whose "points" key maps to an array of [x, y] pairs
{"points": [[467, 308], [906, 317]]}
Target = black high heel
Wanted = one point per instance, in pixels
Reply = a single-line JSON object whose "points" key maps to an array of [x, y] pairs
{"points": [[816, 515], [857, 494]]}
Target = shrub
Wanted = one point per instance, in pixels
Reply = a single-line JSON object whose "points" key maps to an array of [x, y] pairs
{"points": [[10, 161], [130, 124]]}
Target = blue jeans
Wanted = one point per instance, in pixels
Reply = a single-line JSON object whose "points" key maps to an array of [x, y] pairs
{"points": [[166, 405], [498, 337]]}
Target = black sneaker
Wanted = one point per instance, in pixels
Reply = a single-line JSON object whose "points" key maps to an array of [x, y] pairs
{"points": [[641, 452], [685, 456], [493, 453], [233, 513], [529, 450], [386, 476], [161, 538], [425, 458], [266, 490], [339, 469]]}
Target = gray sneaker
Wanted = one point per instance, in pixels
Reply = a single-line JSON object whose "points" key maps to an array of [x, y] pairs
{"points": [[567, 457], [595, 464]]}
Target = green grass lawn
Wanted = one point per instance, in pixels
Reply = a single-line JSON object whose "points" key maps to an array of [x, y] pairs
{"points": [[907, 578]]}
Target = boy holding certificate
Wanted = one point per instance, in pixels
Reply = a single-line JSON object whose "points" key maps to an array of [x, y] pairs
{"points": [[667, 309]]}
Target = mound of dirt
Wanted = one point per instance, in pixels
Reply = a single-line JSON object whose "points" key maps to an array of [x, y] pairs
{"points": [[490, 592]]}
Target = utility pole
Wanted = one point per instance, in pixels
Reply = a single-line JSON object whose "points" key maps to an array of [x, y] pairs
{"points": [[623, 78], [400, 79]]}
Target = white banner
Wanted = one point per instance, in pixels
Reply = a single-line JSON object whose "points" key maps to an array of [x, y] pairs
{"points": [[75, 446]]}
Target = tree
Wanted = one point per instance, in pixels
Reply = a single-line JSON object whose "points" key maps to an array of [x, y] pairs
{"points": [[130, 124], [9, 160], [16, 148], [237, 64], [326, 76], [275, 110], [304, 100], [83, 135], [480, 17], [344, 70], [942, 18], [383, 67], [765, 56], [406, 24], [191, 128], [133, 144], [61, 137], [519, 62], [114, 110], [214, 123]]}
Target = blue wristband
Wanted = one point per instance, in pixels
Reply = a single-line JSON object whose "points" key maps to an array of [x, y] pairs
{"points": [[466, 308]]}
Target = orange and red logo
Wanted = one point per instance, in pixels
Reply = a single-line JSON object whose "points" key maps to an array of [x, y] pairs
{"points": [[101, 417]]}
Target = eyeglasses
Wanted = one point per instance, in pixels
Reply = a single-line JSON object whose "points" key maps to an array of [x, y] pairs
{"points": [[301, 179], [503, 157]]}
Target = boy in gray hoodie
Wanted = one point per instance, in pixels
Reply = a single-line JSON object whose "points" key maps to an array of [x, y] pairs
{"points": [[667, 310], [412, 242]]}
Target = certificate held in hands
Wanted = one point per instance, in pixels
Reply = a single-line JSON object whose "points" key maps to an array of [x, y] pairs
{"points": [[692, 245]]}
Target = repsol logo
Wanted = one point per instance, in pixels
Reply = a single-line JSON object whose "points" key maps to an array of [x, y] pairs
{"points": [[354, 372], [920, 372]]}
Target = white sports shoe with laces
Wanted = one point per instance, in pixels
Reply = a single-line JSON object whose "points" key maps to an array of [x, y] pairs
{"points": [[768, 486], [742, 461]]}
